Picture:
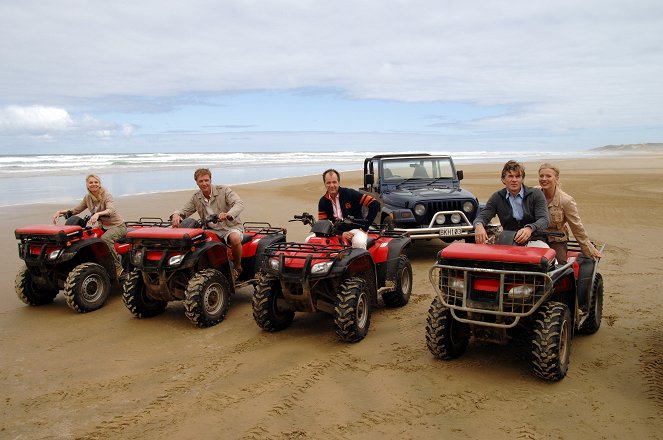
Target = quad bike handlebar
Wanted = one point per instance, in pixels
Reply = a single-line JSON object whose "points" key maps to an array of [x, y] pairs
{"points": [[305, 218]]}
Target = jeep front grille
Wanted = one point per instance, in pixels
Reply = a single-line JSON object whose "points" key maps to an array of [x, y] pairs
{"points": [[445, 205]]}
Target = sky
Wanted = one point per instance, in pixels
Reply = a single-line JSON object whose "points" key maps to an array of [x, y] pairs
{"points": [[93, 76]]}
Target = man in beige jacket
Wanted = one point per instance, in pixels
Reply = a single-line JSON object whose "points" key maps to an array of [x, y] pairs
{"points": [[217, 200]]}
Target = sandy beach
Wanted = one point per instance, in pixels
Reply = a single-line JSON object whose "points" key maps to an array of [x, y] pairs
{"points": [[108, 375]]}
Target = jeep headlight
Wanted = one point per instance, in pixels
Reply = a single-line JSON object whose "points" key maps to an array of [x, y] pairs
{"points": [[455, 218], [137, 257], [521, 292], [419, 209], [321, 268], [175, 260], [274, 263], [468, 207], [439, 219]]}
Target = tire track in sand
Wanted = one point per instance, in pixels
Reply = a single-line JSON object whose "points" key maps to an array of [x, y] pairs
{"points": [[298, 381], [160, 414], [651, 365]]}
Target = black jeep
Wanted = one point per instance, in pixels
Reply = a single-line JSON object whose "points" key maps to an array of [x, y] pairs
{"points": [[421, 195]]}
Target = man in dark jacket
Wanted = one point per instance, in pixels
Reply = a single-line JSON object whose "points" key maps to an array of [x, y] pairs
{"points": [[339, 203], [518, 207]]}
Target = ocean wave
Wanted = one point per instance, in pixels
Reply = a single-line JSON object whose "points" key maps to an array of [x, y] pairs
{"points": [[75, 163]]}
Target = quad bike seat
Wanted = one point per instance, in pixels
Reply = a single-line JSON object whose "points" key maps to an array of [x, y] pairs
{"points": [[164, 233], [46, 230], [498, 252]]}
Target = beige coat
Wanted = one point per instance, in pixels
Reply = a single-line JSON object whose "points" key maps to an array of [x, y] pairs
{"points": [[564, 215], [222, 199]]}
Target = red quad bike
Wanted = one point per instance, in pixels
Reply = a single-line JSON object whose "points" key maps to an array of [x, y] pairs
{"points": [[498, 292], [325, 274], [70, 257], [193, 265]]}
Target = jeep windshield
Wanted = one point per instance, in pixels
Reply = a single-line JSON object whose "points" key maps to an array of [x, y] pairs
{"points": [[403, 170]]}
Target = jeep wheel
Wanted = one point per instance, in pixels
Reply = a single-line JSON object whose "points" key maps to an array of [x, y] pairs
{"points": [[29, 293], [551, 341], [352, 311], [400, 296], [207, 298], [87, 287], [593, 321], [446, 338], [266, 306], [135, 297]]}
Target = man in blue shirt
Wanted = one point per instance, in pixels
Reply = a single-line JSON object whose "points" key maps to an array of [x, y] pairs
{"points": [[519, 208]]}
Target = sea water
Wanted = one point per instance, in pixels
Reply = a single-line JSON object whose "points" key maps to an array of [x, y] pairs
{"points": [[60, 178]]}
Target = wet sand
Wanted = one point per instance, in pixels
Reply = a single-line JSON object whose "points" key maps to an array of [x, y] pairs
{"points": [[107, 374]]}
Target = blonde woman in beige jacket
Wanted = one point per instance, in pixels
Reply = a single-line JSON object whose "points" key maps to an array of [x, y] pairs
{"points": [[563, 215], [102, 209]]}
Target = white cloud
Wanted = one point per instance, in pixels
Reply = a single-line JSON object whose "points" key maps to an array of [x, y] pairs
{"points": [[34, 119], [50, 123]]}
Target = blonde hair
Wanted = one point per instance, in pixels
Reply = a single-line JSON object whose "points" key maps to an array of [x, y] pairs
{"points": [[102, 190], [550, 167]]}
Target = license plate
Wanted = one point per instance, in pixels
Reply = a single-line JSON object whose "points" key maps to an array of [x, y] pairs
{"points": [[446, 232]]}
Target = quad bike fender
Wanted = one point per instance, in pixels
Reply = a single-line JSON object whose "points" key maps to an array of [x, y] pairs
{"points": [[215, 252], [91, 249], [387, 259], [252, 252], [358, 263], [586, 271]]}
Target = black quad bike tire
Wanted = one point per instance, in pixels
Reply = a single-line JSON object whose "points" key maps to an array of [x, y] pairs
{"points": [[593, 321], [352, 311], [207, 298], [87, 287], [400, 296], [29, 293], [266, 312], [134, 295], [446, 338], [551, 341]]}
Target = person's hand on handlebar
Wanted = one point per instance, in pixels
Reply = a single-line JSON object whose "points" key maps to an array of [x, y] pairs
{"points": [[175, 220], [480, 234], [523, 235]]}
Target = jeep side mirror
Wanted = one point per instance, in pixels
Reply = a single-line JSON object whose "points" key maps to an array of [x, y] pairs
{"points": [[368, 179], [459, 173]]}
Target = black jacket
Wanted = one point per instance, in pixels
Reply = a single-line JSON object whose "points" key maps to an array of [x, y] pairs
{"points": [[535, 211], [351, 204]]}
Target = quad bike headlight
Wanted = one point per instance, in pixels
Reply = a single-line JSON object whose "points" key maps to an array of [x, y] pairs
{"points": [[137, 257], [54, 255], [468, 207], [419, 209], [321, 268], [521, 292], [176, 260], [455, 218], [274, 264], [457, 284]]}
